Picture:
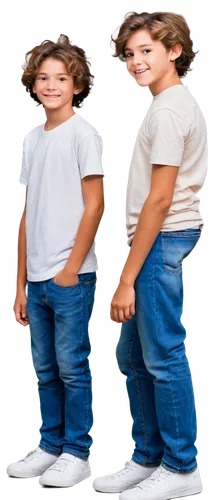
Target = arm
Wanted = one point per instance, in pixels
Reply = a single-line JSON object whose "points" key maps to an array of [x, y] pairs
{"points": [[21, 277], [151, 219], [153, 213], [21, 299], [92, 187]]}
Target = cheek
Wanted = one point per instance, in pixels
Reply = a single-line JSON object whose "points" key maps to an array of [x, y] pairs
{"points": [[161, 62], [37, 88]]}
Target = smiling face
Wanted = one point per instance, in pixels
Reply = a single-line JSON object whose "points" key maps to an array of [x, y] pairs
{"points": [[149, 62], [53, 84]]}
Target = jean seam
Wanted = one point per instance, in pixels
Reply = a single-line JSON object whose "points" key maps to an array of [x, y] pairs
{"points": [[165, 359], [146, 464], [61, 411], [155, 305], [175, 469], [71, 452], [82, 332], [170, 382], [177, 234], [91, 314], [138, 393], [88, 283]]}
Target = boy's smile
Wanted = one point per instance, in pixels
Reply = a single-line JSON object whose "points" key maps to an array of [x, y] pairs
{"points": [[150, 63], [51, 96]]}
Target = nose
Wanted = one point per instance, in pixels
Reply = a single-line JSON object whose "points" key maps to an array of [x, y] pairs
{"points": [[137, 59], [51, 84]]}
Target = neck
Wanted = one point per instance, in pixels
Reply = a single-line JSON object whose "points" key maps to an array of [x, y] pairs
{"points": [[57, 116], [165, 82]]}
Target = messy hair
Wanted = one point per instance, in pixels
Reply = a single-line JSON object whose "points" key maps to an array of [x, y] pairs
{"points": [[167, 27], [74, 58]]}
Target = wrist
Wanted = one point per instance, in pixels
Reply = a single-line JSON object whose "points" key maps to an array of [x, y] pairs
{"points": [[127, 280], [70, 272], [21, 281], [21, 286]]}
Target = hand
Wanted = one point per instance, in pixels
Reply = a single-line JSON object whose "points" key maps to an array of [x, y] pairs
{"points": [[64, 278], [123, 303], [20, 308]]}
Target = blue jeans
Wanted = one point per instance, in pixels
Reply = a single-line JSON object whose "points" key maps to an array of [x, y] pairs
{"points": [[151, 353], [58, 318]]}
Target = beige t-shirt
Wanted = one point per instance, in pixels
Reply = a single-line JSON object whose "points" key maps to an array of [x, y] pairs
{"points": [[172, 133]]}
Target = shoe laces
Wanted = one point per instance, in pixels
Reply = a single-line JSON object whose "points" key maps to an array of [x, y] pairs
{"points": [[129, 466], [32, 455], [62, 463], [156, 478]]}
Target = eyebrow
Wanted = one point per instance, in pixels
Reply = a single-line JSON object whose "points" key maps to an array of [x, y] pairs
{"points": [[57, 74], [143, 45]]}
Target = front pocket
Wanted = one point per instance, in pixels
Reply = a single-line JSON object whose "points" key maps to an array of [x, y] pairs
{"points": [[65, 287]]}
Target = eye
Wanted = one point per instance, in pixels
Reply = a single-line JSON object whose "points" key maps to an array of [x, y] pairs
{"points": [[128, 54], [62, 79], [146, 51]]}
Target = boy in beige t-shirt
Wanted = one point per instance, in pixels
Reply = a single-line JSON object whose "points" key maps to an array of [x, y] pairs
{"points": [[164, 224], [172, 133]]}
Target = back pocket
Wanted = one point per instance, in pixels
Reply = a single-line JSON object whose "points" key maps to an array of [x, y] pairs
{"points": [[176, 246]]}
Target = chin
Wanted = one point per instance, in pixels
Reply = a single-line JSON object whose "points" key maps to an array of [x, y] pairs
{"points": [[51, 106], [143, 84]]}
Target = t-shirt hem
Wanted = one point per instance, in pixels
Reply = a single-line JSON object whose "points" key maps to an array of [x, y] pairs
{"points": [[48, 275], [92, 173], [165, 161], [174, 227], [23, 181]]}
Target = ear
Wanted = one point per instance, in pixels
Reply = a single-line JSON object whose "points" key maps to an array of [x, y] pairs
{"points": [[77, 91], [176, 51]]}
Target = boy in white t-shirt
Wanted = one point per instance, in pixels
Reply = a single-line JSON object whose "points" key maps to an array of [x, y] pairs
{"points": [[168, 168], [64, 204]]}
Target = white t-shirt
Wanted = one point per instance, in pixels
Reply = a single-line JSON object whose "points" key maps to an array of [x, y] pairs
{"points": [[172, 133], [54, 162]]}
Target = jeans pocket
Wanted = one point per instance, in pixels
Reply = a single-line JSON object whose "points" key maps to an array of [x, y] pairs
{"points": [[176, 246], [64, 287]]}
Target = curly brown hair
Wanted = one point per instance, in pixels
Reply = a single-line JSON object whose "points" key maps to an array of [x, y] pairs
{"points": [[167, 27], [74, 58]]}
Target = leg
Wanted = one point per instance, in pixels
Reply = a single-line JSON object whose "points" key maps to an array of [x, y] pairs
{"points": [[72, 307], [51, 390], [159, 300], [145, 432]]}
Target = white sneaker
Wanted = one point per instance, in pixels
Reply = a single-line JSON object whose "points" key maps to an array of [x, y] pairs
{"points": [[164, 485], [35, 463], [126, 478], [67, 471]]}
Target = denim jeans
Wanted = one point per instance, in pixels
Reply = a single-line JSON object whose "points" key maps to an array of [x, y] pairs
{"points": [[151, 353], [58, 318]]}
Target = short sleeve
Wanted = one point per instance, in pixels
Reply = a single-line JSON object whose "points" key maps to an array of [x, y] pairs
{"points": [[23, 177], [89, 156], [166, 133]]}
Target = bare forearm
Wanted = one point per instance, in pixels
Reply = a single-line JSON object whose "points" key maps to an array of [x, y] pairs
{"points": [[84, 239], [149, 224], [22, 255]]}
